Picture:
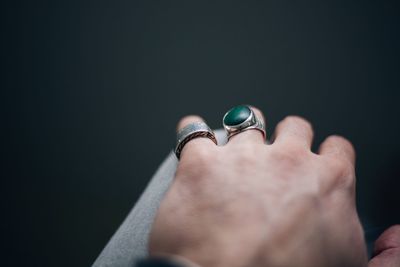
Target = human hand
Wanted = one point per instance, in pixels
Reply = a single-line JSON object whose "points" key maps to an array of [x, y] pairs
{"points": [[251, 204]]}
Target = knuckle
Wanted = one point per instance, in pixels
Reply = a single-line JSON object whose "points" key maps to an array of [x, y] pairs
{"points": [[294, 149], [201, 155], [292, 155], [339, 165], [342, 171], [248, 153], [299, 121], [197, 157], [342, 142], [340, 139]]}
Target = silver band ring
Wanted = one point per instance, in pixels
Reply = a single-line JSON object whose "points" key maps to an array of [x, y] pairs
{"points": [[190, 132], [242, 118]]}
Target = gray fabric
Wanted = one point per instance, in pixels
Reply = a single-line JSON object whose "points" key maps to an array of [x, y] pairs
{"points": [[129, 242]]}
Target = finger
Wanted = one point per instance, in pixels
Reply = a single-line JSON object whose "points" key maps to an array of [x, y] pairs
{"points": [[195, 143], [294, 130], [251, 135], [387, 249], [338, 147]]}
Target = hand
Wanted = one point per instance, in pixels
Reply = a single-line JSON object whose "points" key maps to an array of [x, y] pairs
{"points": [[251, 204]]}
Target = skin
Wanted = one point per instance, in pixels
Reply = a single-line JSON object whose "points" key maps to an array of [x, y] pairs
{"points": [[251, 204]]}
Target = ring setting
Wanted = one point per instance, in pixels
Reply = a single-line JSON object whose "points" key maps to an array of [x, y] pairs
{"points": [[242, 118]]}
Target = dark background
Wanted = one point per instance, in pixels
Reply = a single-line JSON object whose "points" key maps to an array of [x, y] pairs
{"points": [[91, 93]]}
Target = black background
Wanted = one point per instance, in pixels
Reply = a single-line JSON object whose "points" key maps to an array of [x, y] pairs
{"points": [[91, 93]]}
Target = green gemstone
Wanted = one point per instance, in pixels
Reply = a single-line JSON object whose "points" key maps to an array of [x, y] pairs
{"points": [[237, 115]]}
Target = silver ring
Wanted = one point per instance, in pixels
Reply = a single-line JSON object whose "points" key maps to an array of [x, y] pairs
{"points": [[242, 118], [190, 132]]}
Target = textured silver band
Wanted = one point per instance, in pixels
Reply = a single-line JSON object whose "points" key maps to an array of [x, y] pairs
{"points": [[190, 132], [252, 122]]}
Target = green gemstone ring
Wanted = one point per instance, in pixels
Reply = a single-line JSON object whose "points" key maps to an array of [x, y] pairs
{"points": [[242, 118]]}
